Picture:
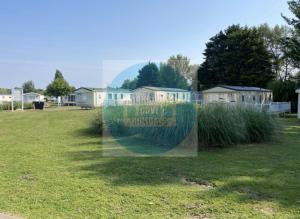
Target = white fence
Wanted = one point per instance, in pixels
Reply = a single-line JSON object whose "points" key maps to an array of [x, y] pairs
{"points": [[280, 107], [273, 107]]}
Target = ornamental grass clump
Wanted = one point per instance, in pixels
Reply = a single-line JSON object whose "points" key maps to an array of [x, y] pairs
{"points": [[217, 124], [167, 124], [97, 122], [222, 125], [260, 125], [173, 127], [17, 105]]}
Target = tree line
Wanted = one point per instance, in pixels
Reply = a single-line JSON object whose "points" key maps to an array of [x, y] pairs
{"points": [[58, 87], [177, 72], [262, 56]]}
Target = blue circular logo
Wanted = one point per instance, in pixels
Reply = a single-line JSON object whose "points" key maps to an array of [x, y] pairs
{"points": [[147, 120]]}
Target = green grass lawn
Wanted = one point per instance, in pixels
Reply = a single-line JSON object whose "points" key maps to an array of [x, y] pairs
{"points": [[51, 167]]}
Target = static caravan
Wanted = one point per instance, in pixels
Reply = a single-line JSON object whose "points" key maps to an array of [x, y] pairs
{"points": [[145, 95], [89, 97], [298, 91], [5, 98], [116, 96], [69, 100], [33, 97], [237, 94], [96, 97]]}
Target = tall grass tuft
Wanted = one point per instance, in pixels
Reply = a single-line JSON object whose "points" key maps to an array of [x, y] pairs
{"points": [[17, 105], [260, 125], [184, 117], [97, 121], [223, 125], [181, 119], [218, 125]]}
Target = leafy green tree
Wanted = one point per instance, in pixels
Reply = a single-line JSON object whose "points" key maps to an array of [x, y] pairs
{"points": [[275, 40], [296, 79], [5, 91], [58, 75], [148, 75], [293, 42], [169, 77], [28, 87], [129, 84], [236, 56], [284, 91], [182, 65], [59, 86]]}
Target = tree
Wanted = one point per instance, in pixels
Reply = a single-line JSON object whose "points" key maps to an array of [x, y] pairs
{"points": [[181, 64], [296, 79], [293, 42], [129, 84], [28, 87], [275, 40], [58, 75], [151, 75], [59, 86], [5, 91], [169, 77], [284, 91], [236, 56], [148, 75]]}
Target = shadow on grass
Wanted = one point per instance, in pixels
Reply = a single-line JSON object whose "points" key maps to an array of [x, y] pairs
{"points": [[88, 132], [260, 172]]}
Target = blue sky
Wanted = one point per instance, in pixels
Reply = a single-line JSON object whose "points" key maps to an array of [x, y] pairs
{"points": [[76, 36]]}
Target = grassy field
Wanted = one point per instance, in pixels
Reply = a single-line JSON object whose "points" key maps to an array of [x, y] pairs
{"points": [[52, 167]]}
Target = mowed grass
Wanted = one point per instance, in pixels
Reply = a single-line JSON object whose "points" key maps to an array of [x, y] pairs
{"points": [[51, 166]]}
